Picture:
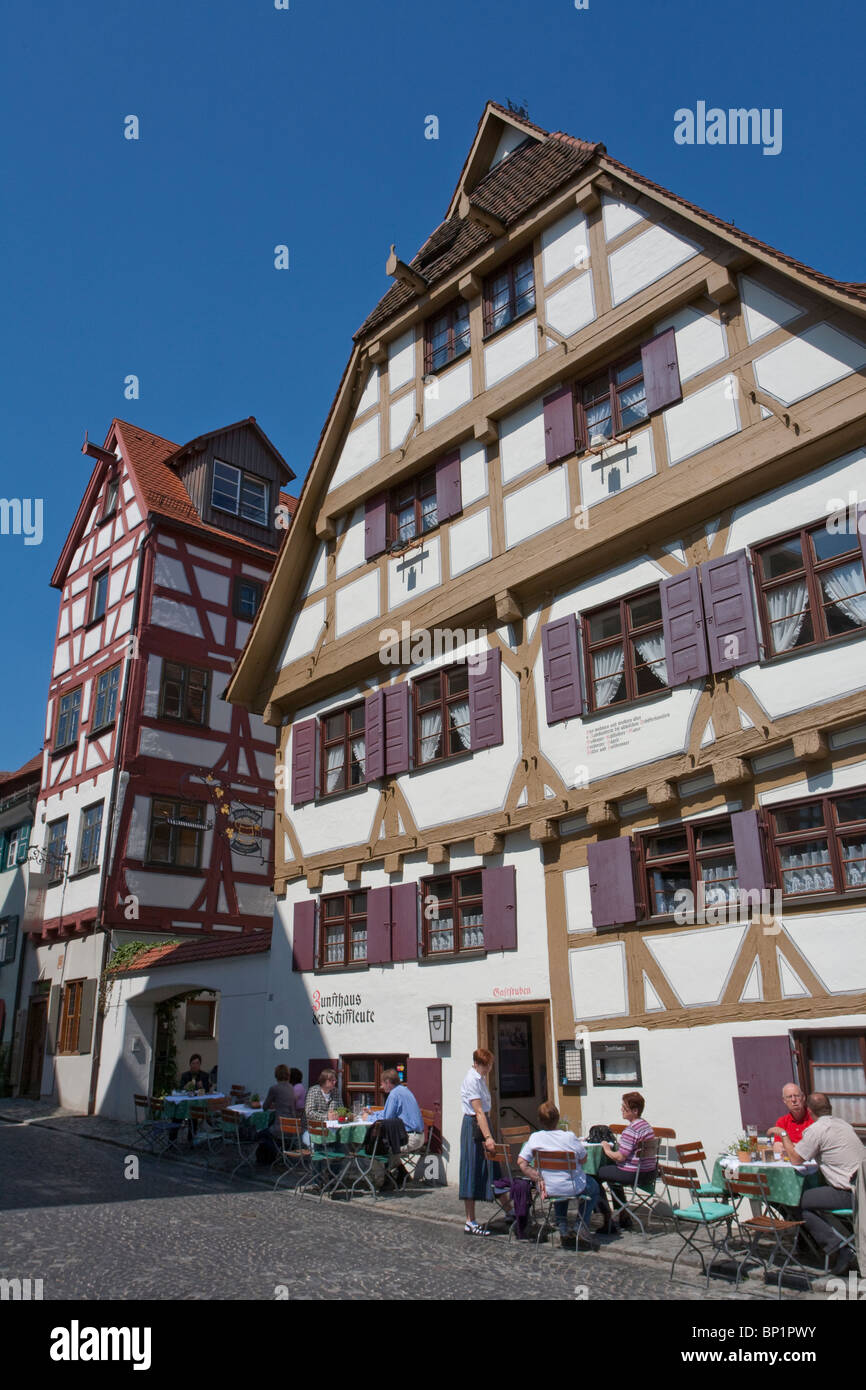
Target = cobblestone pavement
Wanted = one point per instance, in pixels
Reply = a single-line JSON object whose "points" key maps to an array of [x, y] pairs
{"points": [[71, 1218]]}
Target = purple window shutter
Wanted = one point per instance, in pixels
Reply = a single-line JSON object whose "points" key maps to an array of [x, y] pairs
{"points": [[449, 499], [685, 635], [499, 908], [304, 762], [404, 921], [485, 699], [424, 1079], [611, 882], [661, 371], [374, 736], [749, 851], [375, 526], [378, 925], [732, 633], [563, 694], [559, 438], [763, 1066], [304, 936], [396, 720]]}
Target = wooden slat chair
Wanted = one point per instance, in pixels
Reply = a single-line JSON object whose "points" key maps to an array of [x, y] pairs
{"points": [[762, 1239], [295, 1157], [640, 1195], [166, 1129], [691, 1154], [502, 1157], [702, 1214], [230, 1126], [616, 1129], [204, 1121], [237, 1095], [327, 1158], [415, 1161], [545, 1161]]}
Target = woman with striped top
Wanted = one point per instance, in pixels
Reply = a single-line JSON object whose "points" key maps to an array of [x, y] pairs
{"points": [[623, 1167]]}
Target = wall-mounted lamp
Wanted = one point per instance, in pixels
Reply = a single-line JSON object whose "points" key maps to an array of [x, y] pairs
{"points": [[439, 1021]]}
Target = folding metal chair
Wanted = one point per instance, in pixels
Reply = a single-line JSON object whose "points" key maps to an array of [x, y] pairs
{"points": [[146, 1125], [643, 1191], [565, 1162], [760, 1230], [415, 1160], [693, 1153], [704, 1213], [296, 1159], [327, 1159], [165, 1130], [230, 1126], [501, 1158]]}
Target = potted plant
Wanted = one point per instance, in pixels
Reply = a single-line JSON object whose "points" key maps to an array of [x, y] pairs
{"points": [[255, 1101], [190, 1088]]}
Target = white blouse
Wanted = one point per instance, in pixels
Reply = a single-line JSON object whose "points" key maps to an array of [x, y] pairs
{"points": [[474, 1087]]}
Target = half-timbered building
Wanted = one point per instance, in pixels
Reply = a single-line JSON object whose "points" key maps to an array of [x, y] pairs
{"points": [[155, 815], [567, 652]]}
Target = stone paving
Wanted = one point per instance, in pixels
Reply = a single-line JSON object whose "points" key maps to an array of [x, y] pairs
{"points": [[181, 1209]]}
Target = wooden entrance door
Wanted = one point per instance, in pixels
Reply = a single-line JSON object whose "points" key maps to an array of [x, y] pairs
{"points": [[34, 1048], [508, 1110]]}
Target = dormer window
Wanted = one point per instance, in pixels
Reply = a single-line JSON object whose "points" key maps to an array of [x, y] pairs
{"points": [[446, 337], [508, 293], [241, 494]]}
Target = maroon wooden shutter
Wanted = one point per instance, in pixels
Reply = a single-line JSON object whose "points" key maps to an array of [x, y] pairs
{"points": [[485, 699], [563, 693], [304, 762], [424, 1079], [316, 1066], [611, 882], [378, 925], [559, 438], [404, 921], [304, 936], [763, 1066], [749, 851], [732, 633], [375, 526], [661, 372], [374, 736], [396, 719], [449, 499], [685, 635], [499, 908]]}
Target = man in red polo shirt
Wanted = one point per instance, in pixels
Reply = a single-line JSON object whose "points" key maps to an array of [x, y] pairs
{"points": [[799, 1117]]}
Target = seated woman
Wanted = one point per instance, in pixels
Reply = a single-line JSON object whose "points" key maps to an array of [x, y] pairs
{"points": [[562, 1186], [623, 1168], [280, 1099]]}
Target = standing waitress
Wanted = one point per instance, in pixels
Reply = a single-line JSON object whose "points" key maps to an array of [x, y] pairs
{"points": [[476, 1141]]}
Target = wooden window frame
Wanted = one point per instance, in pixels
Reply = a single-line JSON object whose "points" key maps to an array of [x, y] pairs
{"points": [[257, 584], [454, 351], [70, 1018], [177, 805], [626, 635], [11, 837], [58, 873], [691, 855], [68, 742], [832, 831], [613, 393], [350, 1088], [423, 486], [803, 1036], [197, 1035], [243, 476], [187, 671], [346, 738], [810, 575], [94, 587], [105, 675], [346, 921], [430, 923], [514, 312], [93, 861], [442, 704], [109, 503]]}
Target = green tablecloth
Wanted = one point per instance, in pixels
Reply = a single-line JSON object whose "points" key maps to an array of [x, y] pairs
{"points": [[595, 1157], [258, 1119], [179, 1109], [785, 1184], [345, 1136]]}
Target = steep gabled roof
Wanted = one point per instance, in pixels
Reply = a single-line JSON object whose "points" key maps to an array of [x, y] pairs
{"points": [[194, 445]]}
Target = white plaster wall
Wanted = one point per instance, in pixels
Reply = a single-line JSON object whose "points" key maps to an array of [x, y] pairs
{"points": [[598, 981], [357, 603], [510, 351], [351, 552], [179, 748], [578, 911], [836, 779], [470, 542], [564, 246], [214, 588], [73, 895], [473, 472], [360, 450], [170, 573], [763, 309], [318, 572], [618, 217], [536, 507], [398, 994], [572, 307], [809, 678], [805, 364], [414, 572], [65, 1079], [700, 338], [179, 617], [370, 394], [304, 632], [620, 467], [401, 360], [521, 440], [155, 889], [702, 419], [447, 391], [645, 259], [402, 413]]}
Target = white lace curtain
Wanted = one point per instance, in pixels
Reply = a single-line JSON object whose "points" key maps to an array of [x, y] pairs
{"points": [[359, 753], [845, 587], [431, 735], [607, 672], [334, 766], [787, 606], [472, 929], [652, 651], [459, 716]]}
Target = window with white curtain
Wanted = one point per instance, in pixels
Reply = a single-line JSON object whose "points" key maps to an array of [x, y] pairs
{"points": [[820, 844], [812, 587], [625, 650], [343, 750], [442, 728], [453, 913], [696, 857], [835, 1063]]}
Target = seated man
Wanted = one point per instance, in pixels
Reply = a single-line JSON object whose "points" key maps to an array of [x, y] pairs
{"points": [[195, 1073], [838, 1151], [798, 1116], [561, 1186], [400, 1104]]}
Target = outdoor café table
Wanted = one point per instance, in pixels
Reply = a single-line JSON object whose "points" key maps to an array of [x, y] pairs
{"points": [[177, 1104], [255, 1117], [785, 1182], [348, 1139]]}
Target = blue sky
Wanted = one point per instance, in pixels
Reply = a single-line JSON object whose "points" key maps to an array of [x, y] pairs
{"points": [[305, 127]]}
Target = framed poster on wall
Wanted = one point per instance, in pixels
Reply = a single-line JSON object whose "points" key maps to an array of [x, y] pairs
{"points": [[514, 1045]]}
